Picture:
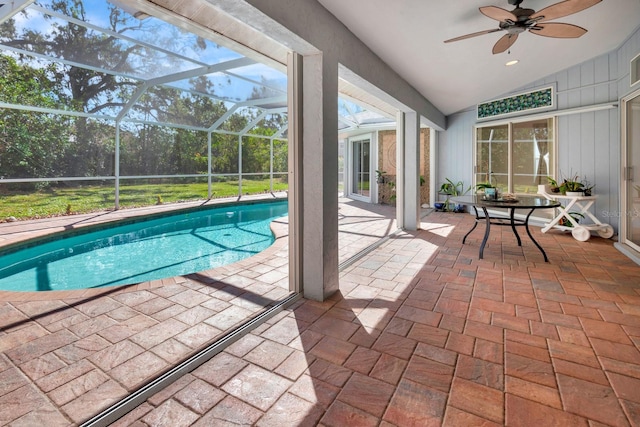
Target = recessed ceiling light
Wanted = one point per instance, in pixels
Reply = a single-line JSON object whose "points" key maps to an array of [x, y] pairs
{"points": [[513, 62]]}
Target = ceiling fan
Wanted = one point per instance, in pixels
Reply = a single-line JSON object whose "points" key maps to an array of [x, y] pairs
{"points": [[521, 19]]}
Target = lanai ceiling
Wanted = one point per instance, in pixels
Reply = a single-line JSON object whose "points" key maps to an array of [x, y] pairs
{"points": [[409, 36]]}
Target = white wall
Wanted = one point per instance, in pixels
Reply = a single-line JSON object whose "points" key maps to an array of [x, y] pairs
{"points": [[588, 142]]}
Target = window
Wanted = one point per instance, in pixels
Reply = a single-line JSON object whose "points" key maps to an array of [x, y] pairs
{"points": [[635, 70], [516, 156]]}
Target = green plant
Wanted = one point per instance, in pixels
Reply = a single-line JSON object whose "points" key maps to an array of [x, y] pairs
{"points": [[571, 184], [555, 188], [392, 186], [483, 185], [637, 188], [577, 216], [488, 183], [387, 195], [574, 184], [451, 189], [588, 188]]}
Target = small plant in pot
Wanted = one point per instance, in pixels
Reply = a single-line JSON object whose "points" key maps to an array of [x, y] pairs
{"points": [[573, 186], [588, 188], [451, 189], [553, 185], [487, 189], [577, 216]]}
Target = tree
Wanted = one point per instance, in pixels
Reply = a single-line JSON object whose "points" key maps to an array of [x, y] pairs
{"points": [[96, 72], [30, 143], [86, 89]]}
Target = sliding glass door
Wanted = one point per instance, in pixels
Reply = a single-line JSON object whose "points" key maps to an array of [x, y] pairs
{"points": [[630, 221], [361, 167], [516, 156]]}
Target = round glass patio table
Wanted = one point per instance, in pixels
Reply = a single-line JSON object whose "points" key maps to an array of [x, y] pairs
{"points": [[521, 202]]}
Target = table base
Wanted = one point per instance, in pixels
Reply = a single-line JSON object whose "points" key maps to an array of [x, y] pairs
{"points": [[512, 222]]}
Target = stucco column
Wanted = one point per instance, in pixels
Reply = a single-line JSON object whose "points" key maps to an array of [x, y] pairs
{"points": [[318, 179], [408, 181]]}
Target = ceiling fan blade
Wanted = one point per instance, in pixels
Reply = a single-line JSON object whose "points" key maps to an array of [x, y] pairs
{"points": [[559, 30], [498, 14], [468, 36], [504, 43], [563, 8]]}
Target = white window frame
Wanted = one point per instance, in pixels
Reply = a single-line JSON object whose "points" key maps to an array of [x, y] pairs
{"points": [[553, 166], [373, 146], [540, 215]]}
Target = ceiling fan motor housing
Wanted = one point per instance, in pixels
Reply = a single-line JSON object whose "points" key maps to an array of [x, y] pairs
{"points": [[522, 24]]}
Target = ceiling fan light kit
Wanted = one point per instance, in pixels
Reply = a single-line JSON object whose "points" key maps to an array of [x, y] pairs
{"points": [[521, 19]]}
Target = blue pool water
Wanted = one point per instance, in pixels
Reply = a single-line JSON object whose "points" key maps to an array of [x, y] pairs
{"points": [[172, 245]]}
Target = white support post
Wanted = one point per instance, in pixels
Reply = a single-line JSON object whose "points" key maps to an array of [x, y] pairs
{"points": [[209, 192], [411, 172], [116, 167], [313, 151], [239, 166], [271, 165], [294, 177], [400, 160], [433, 165]]}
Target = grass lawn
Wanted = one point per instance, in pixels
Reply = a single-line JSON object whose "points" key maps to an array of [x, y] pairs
{"points": [[89, 198]]}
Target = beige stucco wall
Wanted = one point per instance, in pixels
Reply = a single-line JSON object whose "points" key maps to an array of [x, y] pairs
{"points": [[387, 164]]}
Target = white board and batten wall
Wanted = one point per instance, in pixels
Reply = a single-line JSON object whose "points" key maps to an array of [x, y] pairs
{"points": [[588, 142]]}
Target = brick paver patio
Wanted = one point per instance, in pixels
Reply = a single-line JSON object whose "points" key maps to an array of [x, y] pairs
{"points": [[421, 333]]}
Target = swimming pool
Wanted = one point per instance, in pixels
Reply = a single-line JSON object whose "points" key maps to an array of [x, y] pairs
{"points": [[149, 249]]}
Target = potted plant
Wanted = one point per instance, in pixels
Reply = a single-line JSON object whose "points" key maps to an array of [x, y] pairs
{"points": [[451, 189], [588, 188], [577, 216], [572, 186], [553, 185], [487, 188]]}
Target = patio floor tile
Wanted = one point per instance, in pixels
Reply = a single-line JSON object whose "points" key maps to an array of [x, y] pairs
{"points": [[477, 399], [257, 387], [199, 396], [591, 400], [341, 414], [416, 404], [524, 412], [422, 332], [548, 396], [368, 394], [230, 411]]}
